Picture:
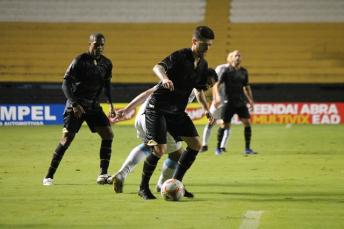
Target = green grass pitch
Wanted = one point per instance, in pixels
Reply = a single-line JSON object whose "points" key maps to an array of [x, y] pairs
{"points": [[296, 181]]}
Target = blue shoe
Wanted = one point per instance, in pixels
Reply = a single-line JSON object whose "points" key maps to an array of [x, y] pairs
{"points": [[218, 152], [249, 151]]}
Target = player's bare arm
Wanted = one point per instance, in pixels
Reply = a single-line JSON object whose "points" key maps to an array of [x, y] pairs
{"points": [[166, 82], [203, 102], [216, 94], [112, 111], [138, 100], [107, 93], [78, 111], [248, 93]]}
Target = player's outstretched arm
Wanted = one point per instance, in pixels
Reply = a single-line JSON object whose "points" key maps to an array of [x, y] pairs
{"points": [[138, 100]]}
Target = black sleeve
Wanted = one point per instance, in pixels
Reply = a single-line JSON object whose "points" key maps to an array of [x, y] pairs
{"points": [[67, 90], [107, 91], [170, 61]]}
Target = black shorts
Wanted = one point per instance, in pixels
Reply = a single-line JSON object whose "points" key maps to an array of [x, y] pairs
{"points": [[158, 123], [73, 124], [229, 111]]}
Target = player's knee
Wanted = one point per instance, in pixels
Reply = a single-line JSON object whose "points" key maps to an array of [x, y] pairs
{"points": [[106, 133], [159, 150], [67, 139], [111, 135], [246, 122], [196, 146]]}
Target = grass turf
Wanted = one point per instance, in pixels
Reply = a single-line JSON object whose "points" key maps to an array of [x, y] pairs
{"points": [[297, 180]]}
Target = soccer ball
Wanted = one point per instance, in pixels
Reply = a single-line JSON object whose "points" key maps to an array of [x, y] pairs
{"points": [[172, 190]]}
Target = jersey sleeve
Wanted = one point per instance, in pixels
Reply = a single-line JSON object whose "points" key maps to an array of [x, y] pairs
{"points": [[108, 75], [72, 70], [202, 85], [170, 61], [246, 78]]}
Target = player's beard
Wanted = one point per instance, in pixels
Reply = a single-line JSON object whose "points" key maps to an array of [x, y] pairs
{"points": [[202, 54]]}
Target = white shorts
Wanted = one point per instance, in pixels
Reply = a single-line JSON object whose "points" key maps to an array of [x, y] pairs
{"points": [[140, 126], [216, 111]]}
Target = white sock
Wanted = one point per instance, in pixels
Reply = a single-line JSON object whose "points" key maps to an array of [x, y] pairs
{"points": [[206, 134], [226, 136], [167, 170], [136, 156]]}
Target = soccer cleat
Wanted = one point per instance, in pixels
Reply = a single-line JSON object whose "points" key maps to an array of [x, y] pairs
{"points": [[203, 149], [146, 194], [188, 194], [218, 152], [47, 181], [223, 150], [249, 151], [118, 183], [104, 179]]}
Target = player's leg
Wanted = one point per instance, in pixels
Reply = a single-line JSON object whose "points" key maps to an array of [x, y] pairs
{"points": [[224, 129], [66, 140], [135, 157], [248, 135], [100, 123], [168, 169], [244, 116], [174, 150], [188, 156], [225, 139], [71, 127], [156, 138], [149, 167], [208, 129], [186, 130]]}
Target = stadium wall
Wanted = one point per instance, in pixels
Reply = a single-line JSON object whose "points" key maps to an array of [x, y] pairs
{"points": [[298, 61]]}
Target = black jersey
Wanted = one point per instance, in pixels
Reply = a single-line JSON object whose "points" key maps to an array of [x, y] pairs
{"points": [[181, 70], [234, 81], [87, 76]]}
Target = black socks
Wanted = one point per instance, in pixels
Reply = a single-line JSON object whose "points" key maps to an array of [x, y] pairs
{"points": [[105, 156], [55, 161]]}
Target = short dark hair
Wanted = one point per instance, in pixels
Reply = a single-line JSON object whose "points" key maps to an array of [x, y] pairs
{"points": [[212, 72], [203, 32], [95, 36]]}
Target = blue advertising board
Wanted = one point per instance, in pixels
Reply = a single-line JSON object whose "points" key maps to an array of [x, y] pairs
{"points": [[31, 114]]}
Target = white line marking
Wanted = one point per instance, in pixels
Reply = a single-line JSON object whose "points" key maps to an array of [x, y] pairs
{"points": [[251, 220]]}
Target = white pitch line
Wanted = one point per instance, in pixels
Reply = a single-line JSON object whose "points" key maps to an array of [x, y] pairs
{"points": [[251, 220]]}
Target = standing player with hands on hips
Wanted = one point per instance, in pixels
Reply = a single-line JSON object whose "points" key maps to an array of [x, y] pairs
{"points": [[83, 82], [179, 74]]}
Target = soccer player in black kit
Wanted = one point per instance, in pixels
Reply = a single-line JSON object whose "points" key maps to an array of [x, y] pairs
{"points": [[235, 79], [179, 74], [83, 82]]}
